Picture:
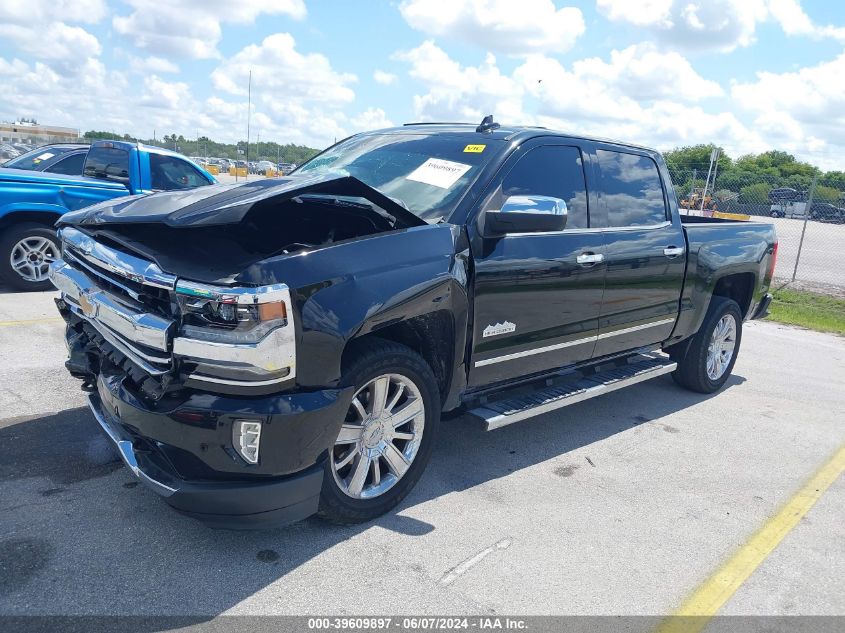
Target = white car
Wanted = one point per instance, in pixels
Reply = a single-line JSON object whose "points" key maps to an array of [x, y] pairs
{"points": [[788, 210]]}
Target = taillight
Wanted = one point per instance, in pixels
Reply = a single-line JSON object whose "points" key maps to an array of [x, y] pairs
{"points": [[773, 260]]}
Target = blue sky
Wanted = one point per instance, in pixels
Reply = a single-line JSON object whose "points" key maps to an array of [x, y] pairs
{"points": [[747, 74]]}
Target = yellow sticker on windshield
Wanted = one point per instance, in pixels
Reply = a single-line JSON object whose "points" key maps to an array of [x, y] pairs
{"points": [[474, 149]]}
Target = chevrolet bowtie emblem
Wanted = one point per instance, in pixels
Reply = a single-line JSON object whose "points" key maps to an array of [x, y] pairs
{"points": [[89, 308]]}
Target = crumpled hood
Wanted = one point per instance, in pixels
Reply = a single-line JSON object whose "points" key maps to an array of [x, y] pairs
{"points": [[228, 204]]}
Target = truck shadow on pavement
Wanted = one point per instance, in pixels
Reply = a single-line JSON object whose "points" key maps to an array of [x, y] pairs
{"points": [[78, 535]]}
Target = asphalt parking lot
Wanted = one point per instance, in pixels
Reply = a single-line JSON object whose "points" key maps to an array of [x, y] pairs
{"points": [[619, 505]]}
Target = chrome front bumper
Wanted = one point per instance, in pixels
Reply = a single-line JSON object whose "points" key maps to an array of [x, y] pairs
{"points": [[150, 341], [127, 451]]}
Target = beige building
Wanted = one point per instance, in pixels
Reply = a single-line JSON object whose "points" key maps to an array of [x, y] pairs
{"points": [[34, 134]]}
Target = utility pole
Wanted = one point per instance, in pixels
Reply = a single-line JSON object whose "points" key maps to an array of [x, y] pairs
{"points": [[714, 157], [807, 208], [692, 187], [248, 116]]}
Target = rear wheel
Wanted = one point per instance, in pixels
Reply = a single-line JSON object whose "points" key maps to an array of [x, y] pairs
{"points": [[386, 439], [712, 352], [26, 252]]}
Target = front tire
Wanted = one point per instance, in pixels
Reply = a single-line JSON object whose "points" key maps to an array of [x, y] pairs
{"points": [[712, 352], [387, 436], [26, 252]]}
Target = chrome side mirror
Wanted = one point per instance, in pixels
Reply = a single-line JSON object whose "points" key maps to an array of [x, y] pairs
{"points": [[525, 214]]}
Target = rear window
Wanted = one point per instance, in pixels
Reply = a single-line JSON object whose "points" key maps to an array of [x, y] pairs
{"points": [[108, 163], [71, 166], [631, 189], [35, 159], [169, 173]]}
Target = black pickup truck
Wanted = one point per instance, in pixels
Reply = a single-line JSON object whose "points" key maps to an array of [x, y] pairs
{"points": [[262, 352]]}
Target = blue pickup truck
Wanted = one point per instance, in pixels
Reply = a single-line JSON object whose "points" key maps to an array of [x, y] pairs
{"points": [[32, 201]]}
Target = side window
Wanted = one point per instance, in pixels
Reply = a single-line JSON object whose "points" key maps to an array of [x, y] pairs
{"points": [[169, 173], [108, 163], [631, 188], [70, 166], [552, 170]]}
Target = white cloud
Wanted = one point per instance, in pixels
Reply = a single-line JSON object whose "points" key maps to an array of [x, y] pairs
{"points": [[791, 17], [793, 107], [370, 119], [648, 93], [183, 28], [720, 25], [152, 65], [93, 96], [170, 96], [639, 12], [283, 74], [644, 73], [55, 40], [592, 88], [302, 95], [462, 93], [384, 78], [296, 97], [30, 12], [501, 26], [794, 21], [165, 30], [13, 68], [638, 94]]}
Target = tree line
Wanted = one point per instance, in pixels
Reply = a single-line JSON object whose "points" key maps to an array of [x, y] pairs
{"points": [[751, 177], [205, 147]]}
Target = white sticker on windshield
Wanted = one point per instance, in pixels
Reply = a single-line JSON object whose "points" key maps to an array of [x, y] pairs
{"points": [[438, 172], [44, 156]]}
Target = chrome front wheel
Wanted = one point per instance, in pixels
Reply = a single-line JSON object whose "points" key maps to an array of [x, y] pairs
{"points": [[380, 436]]}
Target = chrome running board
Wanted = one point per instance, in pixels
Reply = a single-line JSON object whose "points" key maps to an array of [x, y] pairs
{"points": [[527, 404]]}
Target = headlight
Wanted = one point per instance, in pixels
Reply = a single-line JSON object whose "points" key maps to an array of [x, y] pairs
{"points": [[231, 315], [235, 337]]}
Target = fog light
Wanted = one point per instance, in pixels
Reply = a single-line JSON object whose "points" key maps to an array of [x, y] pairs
{"points": [[246, 437]]}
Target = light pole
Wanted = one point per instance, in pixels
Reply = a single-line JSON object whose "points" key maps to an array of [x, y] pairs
{"points": [[248, 117]]}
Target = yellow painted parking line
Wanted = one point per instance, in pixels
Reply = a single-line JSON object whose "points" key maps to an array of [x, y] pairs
{"points": [[30, 321], [706, 601]]}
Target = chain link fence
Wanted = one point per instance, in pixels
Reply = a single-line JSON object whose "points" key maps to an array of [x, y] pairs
{"points": [[810, 220]]}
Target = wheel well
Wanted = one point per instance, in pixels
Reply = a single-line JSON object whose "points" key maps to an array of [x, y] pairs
{"points": [[739, 287], [430, 335], [47, 218]]}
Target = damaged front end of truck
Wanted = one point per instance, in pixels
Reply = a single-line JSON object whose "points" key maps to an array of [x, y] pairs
{"points": [[187, 315]]}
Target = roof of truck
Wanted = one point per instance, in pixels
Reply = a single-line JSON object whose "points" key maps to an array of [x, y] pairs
{"points": [[503, 132]]}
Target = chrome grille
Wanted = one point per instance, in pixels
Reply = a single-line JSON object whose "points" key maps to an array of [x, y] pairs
{"points": [[144, 337], [128, 310]]}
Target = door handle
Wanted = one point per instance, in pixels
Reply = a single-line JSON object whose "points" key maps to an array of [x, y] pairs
{"points": [[673, 251], [588, 259]]}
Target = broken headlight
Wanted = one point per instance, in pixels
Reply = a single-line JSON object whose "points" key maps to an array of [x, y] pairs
{"points": [[230, 315]]}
